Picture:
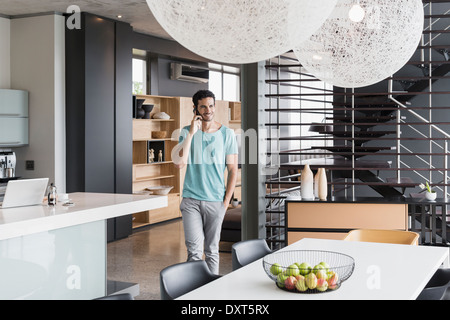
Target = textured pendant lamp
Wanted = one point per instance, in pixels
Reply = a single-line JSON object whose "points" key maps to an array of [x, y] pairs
{"points": [[355, 49], [240, 31]]}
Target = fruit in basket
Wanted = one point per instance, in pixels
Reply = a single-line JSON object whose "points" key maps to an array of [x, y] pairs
{"points": [[290, 283], [322, 285], [281, 278], [325, 265], [332, 280], [322, 274], [292, 270], [304, 268], [317, 268], [276, 269], [301, 284], [311, 281]]}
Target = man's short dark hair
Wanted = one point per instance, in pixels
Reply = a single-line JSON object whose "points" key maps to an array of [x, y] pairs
{"points": [[202, 94]]}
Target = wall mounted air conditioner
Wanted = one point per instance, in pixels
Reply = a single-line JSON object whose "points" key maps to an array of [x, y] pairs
{"points": [[184, 72]]}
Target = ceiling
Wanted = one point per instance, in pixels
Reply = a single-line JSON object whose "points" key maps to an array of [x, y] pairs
{"points": [[135, 12]]}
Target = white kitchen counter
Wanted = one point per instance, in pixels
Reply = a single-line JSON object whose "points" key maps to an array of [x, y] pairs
{"points": [[60, 252], [88, 207]]}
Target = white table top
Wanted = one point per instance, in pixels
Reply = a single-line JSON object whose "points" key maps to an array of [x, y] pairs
{"points": [[382, 272], [88, 207]]}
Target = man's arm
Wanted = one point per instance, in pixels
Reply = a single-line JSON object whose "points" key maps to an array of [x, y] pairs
{"points": [[232, 166]]}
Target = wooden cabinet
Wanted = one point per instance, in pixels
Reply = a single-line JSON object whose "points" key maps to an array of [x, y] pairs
{"points": [[158, 173], [335, 220]]}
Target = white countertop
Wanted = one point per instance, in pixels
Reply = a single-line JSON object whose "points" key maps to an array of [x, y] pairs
{"points": [[88, 207]]}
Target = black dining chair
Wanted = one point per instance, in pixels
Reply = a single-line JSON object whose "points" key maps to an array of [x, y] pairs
{"points": [[438, 286], [247, 251], [184, 277], [117, 297]]}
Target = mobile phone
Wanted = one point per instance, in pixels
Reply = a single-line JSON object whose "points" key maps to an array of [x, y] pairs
{"points": [[196, 112]]}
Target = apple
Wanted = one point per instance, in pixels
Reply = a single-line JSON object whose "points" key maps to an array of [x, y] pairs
{"points": [[317, 268], [322, 274], [292, 270], [275, 269], [290, 282], [304, 268], [311, 280], [281, 278], [325, 265], [301, 284], [322, 285]]}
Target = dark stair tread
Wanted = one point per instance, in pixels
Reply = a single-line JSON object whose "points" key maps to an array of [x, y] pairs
{"points": [[374, 119], [361, 134], [357, 148], [404, 181]]}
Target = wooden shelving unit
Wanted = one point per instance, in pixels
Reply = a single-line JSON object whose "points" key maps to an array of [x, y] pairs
{"points": [[147, 174]]}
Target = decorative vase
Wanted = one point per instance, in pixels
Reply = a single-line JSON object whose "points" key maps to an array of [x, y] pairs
{"points": [[147, 109], [316, 184], [307, 184], [431, 196], [323, 184]]}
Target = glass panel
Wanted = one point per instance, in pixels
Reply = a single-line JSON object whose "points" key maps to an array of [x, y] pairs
{"points": [[231, 87], [215, 84], [63, 264], [139, 76]]}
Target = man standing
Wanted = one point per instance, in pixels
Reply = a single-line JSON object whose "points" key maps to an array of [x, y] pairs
{"points": [[207, 148]]}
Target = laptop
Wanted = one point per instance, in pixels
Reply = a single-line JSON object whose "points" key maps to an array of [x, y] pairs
{"points": [[22, 193]]}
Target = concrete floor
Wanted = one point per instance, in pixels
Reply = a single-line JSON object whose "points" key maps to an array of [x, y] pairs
{"points": [[140, 257]]}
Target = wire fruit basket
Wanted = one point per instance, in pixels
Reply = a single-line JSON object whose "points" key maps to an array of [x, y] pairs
{"points": [[308, 271]]}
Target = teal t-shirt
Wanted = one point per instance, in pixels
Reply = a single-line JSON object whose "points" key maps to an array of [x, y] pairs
{"points": [[206, 165]]}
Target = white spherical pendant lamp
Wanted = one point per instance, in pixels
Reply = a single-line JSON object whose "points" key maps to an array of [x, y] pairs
{"points": [[354, 49], [240, 31]]}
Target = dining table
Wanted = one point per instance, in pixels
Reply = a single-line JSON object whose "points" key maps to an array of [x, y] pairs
{"points": [[382, 271]]}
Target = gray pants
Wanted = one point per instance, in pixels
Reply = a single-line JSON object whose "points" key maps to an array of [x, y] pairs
{"points": [[202, 222]]}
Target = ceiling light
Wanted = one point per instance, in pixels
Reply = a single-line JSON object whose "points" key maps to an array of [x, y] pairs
{"points": [[356, 13], [361, 54], [236, 31]]}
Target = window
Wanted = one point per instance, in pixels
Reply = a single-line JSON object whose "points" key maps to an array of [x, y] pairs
{"points": [[139, 76], [225, 82]]}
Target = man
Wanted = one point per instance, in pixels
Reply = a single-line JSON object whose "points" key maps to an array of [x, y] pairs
{"points": [[207, 148]]}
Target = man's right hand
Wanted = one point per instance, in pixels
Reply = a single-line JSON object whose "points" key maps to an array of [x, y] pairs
{"points": [[196, 124]]}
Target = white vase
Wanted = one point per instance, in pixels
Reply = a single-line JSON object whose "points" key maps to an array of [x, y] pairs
{"points": [[430, 195], [307, 186], [316, 184], [323, 184]]}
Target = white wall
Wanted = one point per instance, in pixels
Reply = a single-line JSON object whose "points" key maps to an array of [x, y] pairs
{"points": [[38, 66], [5, 56]]}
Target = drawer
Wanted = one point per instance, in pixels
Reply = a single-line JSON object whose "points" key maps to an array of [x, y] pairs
{"points": [[347, 216], [13, 103], [13, 132]]}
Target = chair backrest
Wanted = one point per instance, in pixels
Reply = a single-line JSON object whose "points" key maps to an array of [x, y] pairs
{"points": [[181, 278], [383, 236], [245, 252]]}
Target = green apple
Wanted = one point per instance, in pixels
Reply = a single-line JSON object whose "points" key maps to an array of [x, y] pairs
{"points": [[317, 268], [304, 268], [325, 265], [275, 269], [292, 270], [281, 278]]}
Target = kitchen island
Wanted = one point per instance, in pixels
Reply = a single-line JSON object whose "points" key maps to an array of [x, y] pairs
{"points": [[59, 252]]}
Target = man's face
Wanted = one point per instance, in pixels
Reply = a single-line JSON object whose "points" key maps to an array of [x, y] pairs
{"points": [[206, 108]]}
